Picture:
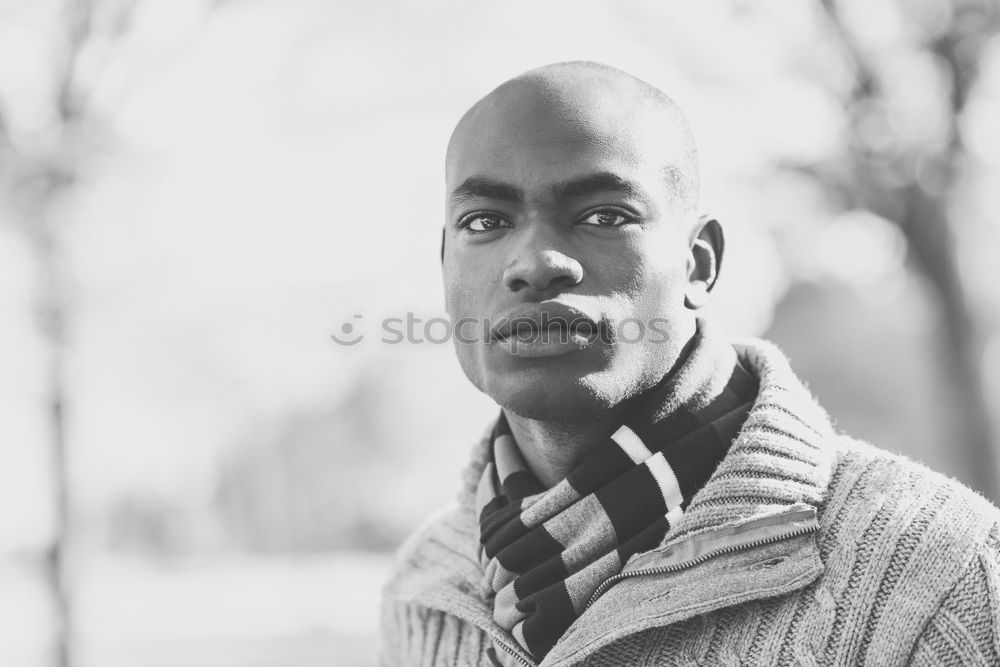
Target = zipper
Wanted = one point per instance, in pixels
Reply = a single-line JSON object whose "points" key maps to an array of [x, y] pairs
{"points": [[512, 651], [810, 527]]}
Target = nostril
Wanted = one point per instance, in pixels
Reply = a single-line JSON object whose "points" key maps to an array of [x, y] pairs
{"points": [[543, 272]]}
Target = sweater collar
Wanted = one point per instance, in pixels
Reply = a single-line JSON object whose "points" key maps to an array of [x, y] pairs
{"points": [[780, 457], [777, 461]]}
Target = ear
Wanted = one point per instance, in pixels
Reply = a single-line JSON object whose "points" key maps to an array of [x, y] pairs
{"points": [[704, 261]]}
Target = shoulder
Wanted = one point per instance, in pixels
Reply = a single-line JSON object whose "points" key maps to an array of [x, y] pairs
{"points": [[906, 548], [434, 572], [442, 548], [878, 496], [889, 487]]}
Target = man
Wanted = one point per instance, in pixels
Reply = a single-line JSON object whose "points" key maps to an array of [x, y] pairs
{"points": [[651, 493]]}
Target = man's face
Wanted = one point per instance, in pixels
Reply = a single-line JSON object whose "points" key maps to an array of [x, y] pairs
{"points": [[563, 231]]}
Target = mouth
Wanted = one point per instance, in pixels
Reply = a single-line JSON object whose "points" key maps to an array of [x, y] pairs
{"points": [[547, 329], [544, 327]]}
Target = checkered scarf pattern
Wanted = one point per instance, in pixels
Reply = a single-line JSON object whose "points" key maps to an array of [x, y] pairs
{"points": [[545, 551]]}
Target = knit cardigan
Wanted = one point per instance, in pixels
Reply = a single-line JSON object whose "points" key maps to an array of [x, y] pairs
{"points": [[804, 548]]}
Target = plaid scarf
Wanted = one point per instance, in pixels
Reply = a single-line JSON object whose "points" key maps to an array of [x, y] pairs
{"points": [[545, 551]]}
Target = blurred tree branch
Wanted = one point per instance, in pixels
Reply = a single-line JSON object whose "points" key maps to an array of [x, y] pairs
{"points": [[43, 173], [38, 172]]}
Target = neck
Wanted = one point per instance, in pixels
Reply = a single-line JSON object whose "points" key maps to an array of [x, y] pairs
{"points": [[553, 449]]}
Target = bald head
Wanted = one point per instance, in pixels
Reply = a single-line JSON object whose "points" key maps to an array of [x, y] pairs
{"points": [[574, 101]]}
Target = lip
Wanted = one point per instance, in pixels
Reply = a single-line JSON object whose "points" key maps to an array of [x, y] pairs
{"points": [[547, 328]]}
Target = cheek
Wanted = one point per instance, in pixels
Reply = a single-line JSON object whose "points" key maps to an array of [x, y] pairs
{"points": [[457, 293], [465, 299], [470, 282], [652, 283]]}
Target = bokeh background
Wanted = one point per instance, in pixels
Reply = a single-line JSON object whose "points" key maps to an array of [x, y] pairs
{"points": [[195, 195]]}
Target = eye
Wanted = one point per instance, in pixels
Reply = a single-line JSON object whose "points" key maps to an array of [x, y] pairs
{"points": [[483, 222], [607, 218]]}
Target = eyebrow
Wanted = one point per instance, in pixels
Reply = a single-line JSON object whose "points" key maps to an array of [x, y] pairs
{"points": [[486, 188], [599, 182]]}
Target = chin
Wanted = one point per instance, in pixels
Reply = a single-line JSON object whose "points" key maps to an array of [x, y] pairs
{"points": [[569, 389], [559, 399]]}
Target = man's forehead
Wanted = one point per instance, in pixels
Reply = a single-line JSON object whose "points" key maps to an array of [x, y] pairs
{"points": [[561, 121], [522, 117], [546, 150], [523, 153]]}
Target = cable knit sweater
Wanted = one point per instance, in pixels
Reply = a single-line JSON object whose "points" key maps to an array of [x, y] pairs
{"points": [[804, 548]]}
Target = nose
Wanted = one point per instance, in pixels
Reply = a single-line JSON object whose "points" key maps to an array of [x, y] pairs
{"points": [[540, 266]]}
